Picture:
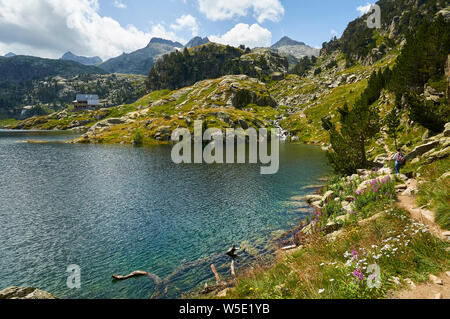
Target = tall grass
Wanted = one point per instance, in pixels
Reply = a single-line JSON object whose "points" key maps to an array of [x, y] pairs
{"points": [[435, 191], [339, 269]]}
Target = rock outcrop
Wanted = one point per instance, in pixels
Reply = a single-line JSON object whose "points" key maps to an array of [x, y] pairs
{"points": [[25, 293], [421, 149]]}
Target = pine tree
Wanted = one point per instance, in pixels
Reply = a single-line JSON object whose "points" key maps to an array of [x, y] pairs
{"points": [[392, 122]]}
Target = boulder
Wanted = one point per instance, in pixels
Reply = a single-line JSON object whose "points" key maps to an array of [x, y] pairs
{"points": [[331, 227], [422, 149], [447, 130], [444, 176], [352, 78], [438, 155], [410, 191], [317, 205], [78, 123], [363, 172], [106, 123], [114, 121], [385, 171], [348, 208], [327, 196], [344, 203], [277, 76], [435, 280], [24, 293], [343, 218], [163, 133], [401, 187], [311, 198]]}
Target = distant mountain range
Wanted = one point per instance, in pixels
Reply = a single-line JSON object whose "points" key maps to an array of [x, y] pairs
{"points": [[286, 46], [141, 61], [69, 56], [22, 68], [195, 42]]}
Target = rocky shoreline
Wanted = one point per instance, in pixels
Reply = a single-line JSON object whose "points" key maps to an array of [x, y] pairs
{"points": [[25, 293]]}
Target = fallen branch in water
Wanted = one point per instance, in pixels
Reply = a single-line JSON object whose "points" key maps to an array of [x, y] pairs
{"points": [[162, 285], [138, 273], [216, 274], [233, 272]]}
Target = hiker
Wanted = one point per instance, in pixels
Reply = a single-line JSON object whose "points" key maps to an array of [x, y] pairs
{"points": [[399, 161]]}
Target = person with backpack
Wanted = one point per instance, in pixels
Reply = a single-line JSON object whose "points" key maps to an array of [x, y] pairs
{"points": [[399, 161]]}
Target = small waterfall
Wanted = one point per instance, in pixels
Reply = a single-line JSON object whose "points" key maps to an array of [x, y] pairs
{"points": [[283, 134]]}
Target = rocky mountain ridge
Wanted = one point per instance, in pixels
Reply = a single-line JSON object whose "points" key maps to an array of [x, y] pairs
{"points": [[142, 60], [81, 59], [288, 47], [196, 41]]}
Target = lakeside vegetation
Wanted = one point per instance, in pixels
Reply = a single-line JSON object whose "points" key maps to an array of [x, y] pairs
{"points": [[365, 98], [360, 223]]}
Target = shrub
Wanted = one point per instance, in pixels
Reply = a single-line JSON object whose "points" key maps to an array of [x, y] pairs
{"points": [[138, 138]]}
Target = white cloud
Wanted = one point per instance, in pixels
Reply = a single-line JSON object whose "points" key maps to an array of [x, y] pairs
{"points": [[364, 9], [252, 36], [263, 10], [120, 5], [186, 22], [51, 27], [334, 33]]}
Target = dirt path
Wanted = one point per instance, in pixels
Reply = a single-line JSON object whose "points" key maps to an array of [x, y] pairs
{"points": [[429, 290], [425, 216], [437, 287]]}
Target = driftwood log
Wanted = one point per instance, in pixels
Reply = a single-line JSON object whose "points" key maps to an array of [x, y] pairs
{"points": [[162, 285], [216, 274], [137, 273]]}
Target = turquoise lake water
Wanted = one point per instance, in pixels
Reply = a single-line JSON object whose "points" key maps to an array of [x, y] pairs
{"points": [[116, 209]]}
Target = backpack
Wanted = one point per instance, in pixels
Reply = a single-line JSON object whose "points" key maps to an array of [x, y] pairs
{"points": [[401, 159]]}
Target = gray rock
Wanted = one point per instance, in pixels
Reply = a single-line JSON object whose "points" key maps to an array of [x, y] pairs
{"points": [[444, 176], [114, 121], [24, 293], [420, 150], [331, 227], [310, 198], [447, 130], [317, 205], [438, 155], [409, 192], [327, 196], [277, 76], [401, 187], [435, 280], [343, 218]]}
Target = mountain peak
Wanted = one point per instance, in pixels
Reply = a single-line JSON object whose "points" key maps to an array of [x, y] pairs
{"points": [[9, 55], [286, 41], [81, 59], [164, 41], [196, 41]]}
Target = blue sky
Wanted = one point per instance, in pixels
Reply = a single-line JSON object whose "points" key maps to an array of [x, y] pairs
{"points": [[106, 28], [304, 20]]}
